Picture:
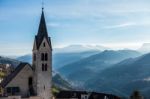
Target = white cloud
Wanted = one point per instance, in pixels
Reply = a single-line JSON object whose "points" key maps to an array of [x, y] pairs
{"points": [[15, 51], [11, 49], [128, 24], [126, 45]]}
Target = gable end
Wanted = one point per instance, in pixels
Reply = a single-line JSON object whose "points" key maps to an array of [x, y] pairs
{"points": [[13, 74]]}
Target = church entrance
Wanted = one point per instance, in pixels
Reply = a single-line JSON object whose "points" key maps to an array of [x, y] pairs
{"points": [[30, 81]]}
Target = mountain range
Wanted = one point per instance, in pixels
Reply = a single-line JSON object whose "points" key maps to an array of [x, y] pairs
{"points": [[124, 77], [6, 60], [61, 59], [25, 58], [68, 54], [61, 83], [84, 69], [116, 72]]}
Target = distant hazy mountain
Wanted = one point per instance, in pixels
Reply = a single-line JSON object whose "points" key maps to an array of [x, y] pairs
{"points": [[25, 58], [79, 48], [61, 83], [124, 77], [84, 69], [61, 59], [5, 60], [68, 54], [145, 48]]}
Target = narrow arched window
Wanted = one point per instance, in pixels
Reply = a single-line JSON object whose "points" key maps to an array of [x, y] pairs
{"points": [[43, 67], [42, 56], [46, 56], [44, 44], [44, 87]]}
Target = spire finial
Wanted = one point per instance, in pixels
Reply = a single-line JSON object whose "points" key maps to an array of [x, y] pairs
{"points": [[42, 5]]}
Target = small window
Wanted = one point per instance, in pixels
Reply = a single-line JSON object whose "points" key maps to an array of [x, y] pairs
{"points": [[13, 90], [46, 56], [44, 87], [9, 90], [16, 89], [42, 56], [44, 44], [43, 67]]}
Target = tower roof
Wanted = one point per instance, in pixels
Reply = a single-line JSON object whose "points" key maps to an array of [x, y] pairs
{"points": [[42, 26], [42, 31]]}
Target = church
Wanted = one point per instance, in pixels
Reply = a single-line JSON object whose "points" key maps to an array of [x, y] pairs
{"points": [[32, 81]]}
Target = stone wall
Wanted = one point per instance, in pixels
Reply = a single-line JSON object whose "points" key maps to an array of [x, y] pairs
{"points": [[21, 81], [43, 78]]}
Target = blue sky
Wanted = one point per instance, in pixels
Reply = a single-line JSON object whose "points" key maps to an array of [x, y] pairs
{"points": [[112, 23]]}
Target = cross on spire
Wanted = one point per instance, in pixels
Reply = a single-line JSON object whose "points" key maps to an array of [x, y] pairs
{"points": [[42, 4]]}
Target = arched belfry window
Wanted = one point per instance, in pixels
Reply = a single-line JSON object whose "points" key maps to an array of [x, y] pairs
{"points": [[43, 67], [46, 56], [42, 56]]}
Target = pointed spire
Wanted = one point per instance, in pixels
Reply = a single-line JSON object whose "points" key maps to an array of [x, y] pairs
{"points": [[42, 32]]}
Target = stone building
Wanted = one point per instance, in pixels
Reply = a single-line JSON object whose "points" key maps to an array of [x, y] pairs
{"points": [[84, 95], [32, 81], [136, 95]]}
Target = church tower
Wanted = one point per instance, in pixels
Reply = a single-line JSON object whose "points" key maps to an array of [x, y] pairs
{"points": [[42, 62]]}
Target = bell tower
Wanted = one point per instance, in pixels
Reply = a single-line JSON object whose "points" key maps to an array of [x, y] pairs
{"points": [[42, 61]]}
